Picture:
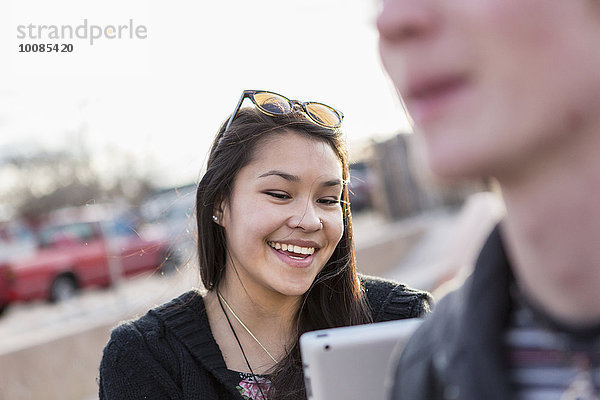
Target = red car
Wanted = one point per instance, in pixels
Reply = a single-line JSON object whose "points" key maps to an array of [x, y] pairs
{"points": [[79, 254]]}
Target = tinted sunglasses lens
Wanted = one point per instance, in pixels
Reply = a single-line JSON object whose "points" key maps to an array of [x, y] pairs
{"points": [[324, 115], [272, 103]]}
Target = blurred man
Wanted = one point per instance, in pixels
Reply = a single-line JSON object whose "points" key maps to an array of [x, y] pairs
{"points": [[509, 89]]}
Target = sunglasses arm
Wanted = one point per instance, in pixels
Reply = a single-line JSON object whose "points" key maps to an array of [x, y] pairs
{"points": [[237, 108]]}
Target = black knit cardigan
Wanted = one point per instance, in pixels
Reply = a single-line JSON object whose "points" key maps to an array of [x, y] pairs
{"points": [[170, 353]]}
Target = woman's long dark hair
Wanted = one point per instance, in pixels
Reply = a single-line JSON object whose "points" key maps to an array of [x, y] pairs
{"points": [[335, 297]]}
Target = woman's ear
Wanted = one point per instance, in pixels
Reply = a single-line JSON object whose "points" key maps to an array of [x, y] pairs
{"points": [[218, 213]]}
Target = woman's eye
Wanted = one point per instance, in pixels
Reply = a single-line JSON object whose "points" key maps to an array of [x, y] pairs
{"points": [[329, 201], [277, 195]]}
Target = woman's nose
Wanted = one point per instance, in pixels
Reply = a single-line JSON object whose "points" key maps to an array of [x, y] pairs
{"points": [[405, 19], [306, 218]]}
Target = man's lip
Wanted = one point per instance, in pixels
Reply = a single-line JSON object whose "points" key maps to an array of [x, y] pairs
{"points": [[423, 86], [426, 96]]}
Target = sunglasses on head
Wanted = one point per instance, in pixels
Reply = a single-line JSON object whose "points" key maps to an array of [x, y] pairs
{"points": [[274, 104]]}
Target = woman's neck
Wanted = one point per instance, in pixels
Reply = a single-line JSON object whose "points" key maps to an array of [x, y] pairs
{"points": [[270, 317], [552, 229], [259, 308]]}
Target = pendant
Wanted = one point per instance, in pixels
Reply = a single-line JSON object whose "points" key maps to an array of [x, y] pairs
{"points": [[582, 387]]}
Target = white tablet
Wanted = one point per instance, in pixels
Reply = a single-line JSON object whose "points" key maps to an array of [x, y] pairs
{"points": [[352, 362]]}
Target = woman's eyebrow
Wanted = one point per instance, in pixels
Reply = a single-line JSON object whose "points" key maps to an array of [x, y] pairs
{"points": [[284, 175], [296, 178], [332, 182]]}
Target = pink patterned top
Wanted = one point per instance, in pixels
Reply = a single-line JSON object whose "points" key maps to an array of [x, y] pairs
{"points": [[249, 389]]}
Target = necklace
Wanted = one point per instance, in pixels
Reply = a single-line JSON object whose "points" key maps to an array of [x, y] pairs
{"points": [[219, 297], [245, 327]]}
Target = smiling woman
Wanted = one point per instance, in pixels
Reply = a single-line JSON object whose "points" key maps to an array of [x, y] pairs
{"points": [[276, 256], [287, 197]]}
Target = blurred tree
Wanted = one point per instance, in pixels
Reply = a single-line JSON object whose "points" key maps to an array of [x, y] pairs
{"points": [[42, 181]]}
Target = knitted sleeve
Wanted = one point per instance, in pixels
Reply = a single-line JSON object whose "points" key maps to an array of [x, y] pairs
{"points": [[390, 300], [128, 369]]}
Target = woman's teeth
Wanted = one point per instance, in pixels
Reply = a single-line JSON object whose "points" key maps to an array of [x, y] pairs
{"points": [[292, 248]]}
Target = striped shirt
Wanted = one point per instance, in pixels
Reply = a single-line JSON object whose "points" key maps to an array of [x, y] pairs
{"points": [[547, 364]]}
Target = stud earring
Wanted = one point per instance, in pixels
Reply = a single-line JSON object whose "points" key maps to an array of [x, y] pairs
{"points": [[215, 218]]}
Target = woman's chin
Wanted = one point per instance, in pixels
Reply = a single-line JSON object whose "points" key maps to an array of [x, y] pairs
{"points": [[293, 289]]}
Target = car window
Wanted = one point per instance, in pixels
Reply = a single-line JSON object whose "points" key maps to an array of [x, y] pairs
{"points": [[78, 232], [121, 227]]}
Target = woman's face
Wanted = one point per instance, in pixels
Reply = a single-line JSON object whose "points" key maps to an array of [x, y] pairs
{"points": [[272, 220], [493, 84]]}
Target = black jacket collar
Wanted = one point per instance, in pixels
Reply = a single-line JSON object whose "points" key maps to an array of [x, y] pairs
{"points": [[484, 320]]}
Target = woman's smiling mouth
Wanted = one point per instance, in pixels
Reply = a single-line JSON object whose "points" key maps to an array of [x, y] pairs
{"points": [[294, 251], [295, 254]]}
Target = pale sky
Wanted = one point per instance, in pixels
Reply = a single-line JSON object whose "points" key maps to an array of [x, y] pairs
{"points": [[162, 98]]}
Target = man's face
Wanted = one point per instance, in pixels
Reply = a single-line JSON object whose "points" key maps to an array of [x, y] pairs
{"points": [[493, 84]]}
